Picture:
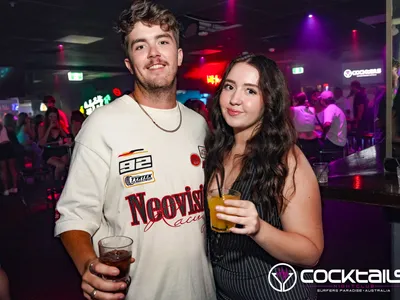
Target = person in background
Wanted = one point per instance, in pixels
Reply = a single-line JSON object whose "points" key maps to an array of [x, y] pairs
{"points": [[8, 156], [51, 136], [303, 117], [4, 286], [37, 121], [120, 158], [199, 107], [360, 106], [77, 119], [333, 124], [340, 100], [253, 150], [314, 97], [50, 101], [26, 137]]}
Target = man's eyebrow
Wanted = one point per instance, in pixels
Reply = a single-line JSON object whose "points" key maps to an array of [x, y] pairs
{"points": [[142, 40]]}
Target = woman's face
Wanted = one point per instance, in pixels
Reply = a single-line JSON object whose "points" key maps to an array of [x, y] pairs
{"points": [[241, 100], [53, 117]]}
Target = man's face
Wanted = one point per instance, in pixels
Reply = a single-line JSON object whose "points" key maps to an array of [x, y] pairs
{"points": [[51, 104], [153, 57]]}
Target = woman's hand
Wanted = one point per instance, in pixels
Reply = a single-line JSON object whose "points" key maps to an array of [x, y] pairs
{"points": [[242, 212]]}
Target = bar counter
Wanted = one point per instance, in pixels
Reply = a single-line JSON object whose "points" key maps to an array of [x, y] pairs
{"points": [[361, 178]]}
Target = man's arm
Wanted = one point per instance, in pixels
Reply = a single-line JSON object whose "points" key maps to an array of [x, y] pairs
{"points": [[329, 114], [79, 246], [81, 210]]}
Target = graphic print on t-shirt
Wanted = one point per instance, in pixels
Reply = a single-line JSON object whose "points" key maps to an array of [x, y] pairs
{"points": [[174, 210], [136, 168]]}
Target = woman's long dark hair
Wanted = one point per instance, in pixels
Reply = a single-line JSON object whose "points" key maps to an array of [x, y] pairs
{"points": [[21, 120], [266, 153]]}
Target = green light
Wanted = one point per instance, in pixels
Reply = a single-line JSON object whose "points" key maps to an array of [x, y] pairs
{"points": [[297, 70], [107, 99], [75, 76]]}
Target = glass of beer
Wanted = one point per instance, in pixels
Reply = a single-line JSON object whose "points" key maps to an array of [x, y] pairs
{"points": [[116, 251], [215, 200]]}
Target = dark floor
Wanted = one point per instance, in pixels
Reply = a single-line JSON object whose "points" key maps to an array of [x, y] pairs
{"points": [[356, 236]]}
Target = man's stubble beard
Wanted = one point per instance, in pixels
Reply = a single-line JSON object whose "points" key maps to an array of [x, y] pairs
{"points": [[153, 87]]}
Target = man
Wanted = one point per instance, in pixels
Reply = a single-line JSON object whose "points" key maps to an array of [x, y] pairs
{"points": [[332, 121], [137, 171], [360, 106], [49, 101]]}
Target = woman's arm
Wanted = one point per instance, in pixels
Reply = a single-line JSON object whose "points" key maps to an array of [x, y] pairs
{"points": [[301, 242], [43, 134]]}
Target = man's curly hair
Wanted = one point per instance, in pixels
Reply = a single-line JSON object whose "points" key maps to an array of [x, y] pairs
{"points": [[148, 13]]}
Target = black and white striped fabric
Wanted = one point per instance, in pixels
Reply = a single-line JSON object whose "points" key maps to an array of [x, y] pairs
{"points": [[241, 266]]}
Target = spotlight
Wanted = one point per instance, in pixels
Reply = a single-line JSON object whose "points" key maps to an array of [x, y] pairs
{"points": [[310, 16], [60, 46], [354, 31]]}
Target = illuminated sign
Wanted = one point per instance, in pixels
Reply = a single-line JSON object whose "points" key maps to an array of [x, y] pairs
{"points": [[362, 73], [89, 106], [213, 79], [75, 76], [117, 92], [297, 70]]}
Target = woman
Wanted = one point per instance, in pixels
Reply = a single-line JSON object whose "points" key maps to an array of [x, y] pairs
{"points": [[252, 150], [303, 117], [51, 136], [26, 137], [77, 119], [8, 156]]}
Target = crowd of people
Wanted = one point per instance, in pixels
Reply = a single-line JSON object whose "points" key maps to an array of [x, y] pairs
{"points": [[324, 120], [39, 142]]}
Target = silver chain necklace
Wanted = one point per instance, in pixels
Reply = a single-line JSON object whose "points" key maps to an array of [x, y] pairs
{"points": [[154, 122]]}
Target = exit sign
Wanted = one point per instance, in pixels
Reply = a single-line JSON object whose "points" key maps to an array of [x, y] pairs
{"points": [[297, 70], [75, 76]]}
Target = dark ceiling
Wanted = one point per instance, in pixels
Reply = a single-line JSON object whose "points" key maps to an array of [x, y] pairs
{"points": [[29, 29]]}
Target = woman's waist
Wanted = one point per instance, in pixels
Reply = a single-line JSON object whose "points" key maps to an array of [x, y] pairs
{"points": [[307, 135]]}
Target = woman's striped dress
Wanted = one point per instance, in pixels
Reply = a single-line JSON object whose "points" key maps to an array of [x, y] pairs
{"points": [[241, 267]]}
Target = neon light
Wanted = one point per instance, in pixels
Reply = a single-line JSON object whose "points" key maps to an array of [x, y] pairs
{"points": [[297, 70], [43, 107], [213, 79], [98, 101], [117, 92], [75, 76]]}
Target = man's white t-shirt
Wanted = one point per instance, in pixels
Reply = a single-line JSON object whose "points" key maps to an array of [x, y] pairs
{"points": [[303, 118], [337, 134], [130, 178]]}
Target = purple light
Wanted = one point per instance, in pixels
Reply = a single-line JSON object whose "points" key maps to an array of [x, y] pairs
{"points": [[60, 46], [310, 16]]}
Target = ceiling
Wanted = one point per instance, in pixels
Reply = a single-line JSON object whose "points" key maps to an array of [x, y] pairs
{"points": [[30, 29]]}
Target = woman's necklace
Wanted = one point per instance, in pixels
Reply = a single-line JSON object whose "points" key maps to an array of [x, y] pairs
{"points": [[166, 130]]}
